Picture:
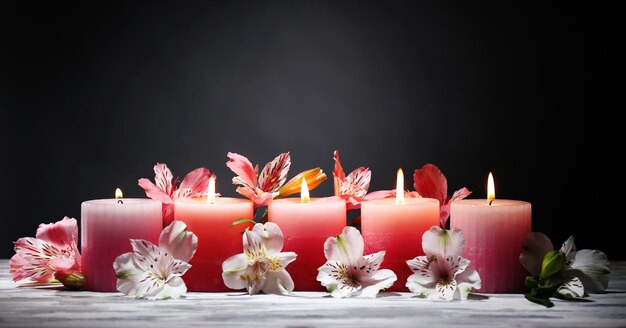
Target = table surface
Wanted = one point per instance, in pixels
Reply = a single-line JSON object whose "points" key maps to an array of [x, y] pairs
{"points": [[55, 307]]}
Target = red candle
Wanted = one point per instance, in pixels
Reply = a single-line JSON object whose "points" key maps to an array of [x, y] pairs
{"points": [[396, 226], [210, 219], [306, 223], [494, 230]]}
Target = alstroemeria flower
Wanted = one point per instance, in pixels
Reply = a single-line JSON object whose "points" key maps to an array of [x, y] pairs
{"points": [[261, 188], [353, 187], [431, 183], [261, 266], [442, 274], [194, 184], [155, 272], [52, 250], [583, 271], [347, 273]]}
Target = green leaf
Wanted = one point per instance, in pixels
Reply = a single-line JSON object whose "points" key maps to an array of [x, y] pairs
{"points": [[543, 301], [531, 282], [242, 220], [553, 262]]}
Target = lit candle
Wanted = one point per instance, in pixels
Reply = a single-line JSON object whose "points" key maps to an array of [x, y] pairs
{"points": [[396, 226], [210, 218], [494, 231], [306, 223], [107, 225]]}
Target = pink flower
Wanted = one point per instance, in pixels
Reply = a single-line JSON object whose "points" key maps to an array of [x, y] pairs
{"points": [[194, 184], [155, 272], [353, 187], [264, 188], [54, 249], [431, 183], [442, 274]]}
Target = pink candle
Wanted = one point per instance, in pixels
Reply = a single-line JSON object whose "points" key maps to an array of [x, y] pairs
{"points": [[210, 218], [396, 225], [494, 231], [107, 225], [306, 226]]}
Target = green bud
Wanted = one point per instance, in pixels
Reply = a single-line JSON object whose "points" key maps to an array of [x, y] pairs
{"points": [[72, 279], [553, 262]]}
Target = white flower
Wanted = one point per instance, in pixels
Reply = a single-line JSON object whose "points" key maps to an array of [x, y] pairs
{"points": [[261, 266], [442, 274], [347, 273], [155, 272]]}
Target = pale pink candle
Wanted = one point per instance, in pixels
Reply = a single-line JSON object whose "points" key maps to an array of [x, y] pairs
{"points": [[211, 218], [306, 226], [107, 225], [396, 225], [494, 237]]}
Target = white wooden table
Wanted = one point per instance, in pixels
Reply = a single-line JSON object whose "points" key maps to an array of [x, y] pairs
{"points": [[46, 307]]}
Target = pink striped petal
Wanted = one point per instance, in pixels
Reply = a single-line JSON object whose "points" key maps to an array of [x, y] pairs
{"points": [[274, 173]]}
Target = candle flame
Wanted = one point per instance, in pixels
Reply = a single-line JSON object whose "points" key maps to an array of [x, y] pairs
{"points": [[211, 193], [491, 189], [304, 192], [400, 187], [118, 193]]}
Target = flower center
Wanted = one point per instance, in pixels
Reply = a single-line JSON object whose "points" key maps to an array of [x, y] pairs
{"points": [[273, 264]]}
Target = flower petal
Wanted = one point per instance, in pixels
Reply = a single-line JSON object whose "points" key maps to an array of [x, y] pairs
{"points": [[444, 210], [335, 276], [241, 166], [61, 263], [572, 288], [466, 280], [442, 242], [446, 289], [146, 254], [253, 246], [274, 173], [338, 172], [279, 283], [174, 288], [569, 249], [595, 267], [163, 178], [234, 269], [425, 273], [381, 279], [535, 248], [128, 274], [154, 192], [430, 182], [178, 242], [314, 177], [30, 269], [196, 182], [272, 236], [62, 233], [346, 247], [286, 257]]}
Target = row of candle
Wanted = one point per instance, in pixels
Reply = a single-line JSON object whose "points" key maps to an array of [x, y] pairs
{"points": [[494, 232]]}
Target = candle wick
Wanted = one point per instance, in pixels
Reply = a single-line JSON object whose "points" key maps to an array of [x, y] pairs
{"points": [[491, 201], [119, 201]]}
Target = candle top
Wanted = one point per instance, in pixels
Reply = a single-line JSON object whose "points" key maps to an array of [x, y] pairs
{"points": [[407, 201], [114, 201], [494, 203], [200, 201], [313, 200]]}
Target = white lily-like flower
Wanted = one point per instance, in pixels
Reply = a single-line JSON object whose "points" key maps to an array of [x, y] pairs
{"points": [[347, 273], [442, 274], [261, 266], [155, 272], [585, 271]]}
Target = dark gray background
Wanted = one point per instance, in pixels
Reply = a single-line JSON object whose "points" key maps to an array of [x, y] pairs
{"points": [[94, 94]]}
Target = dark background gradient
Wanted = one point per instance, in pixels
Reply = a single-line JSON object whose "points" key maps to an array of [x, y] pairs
{"points": [[94, 94]]}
